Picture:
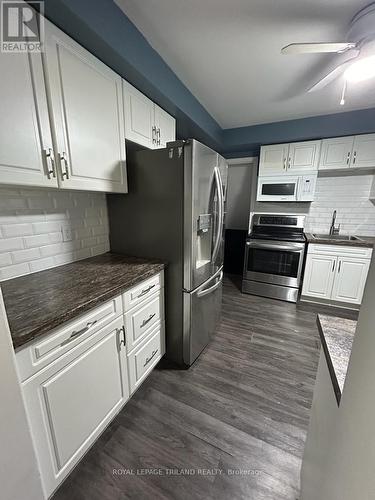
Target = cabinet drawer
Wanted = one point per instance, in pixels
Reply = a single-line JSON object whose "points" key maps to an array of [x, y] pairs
{"points": [[142, 360], [36, 356], [340, 250], [141, 292], [140, 320]]}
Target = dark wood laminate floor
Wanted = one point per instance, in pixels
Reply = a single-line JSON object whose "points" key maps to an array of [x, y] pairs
{"points": [[231, 427]]}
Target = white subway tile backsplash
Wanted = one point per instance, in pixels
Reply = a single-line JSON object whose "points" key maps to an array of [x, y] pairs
{"points": [[9, 231], [31, 223], [25, 255], [8, 244], [349, 195]]}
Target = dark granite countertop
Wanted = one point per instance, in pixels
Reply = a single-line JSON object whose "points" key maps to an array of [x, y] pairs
{"points": [[39, 302], [364, 241], [337, 335]]}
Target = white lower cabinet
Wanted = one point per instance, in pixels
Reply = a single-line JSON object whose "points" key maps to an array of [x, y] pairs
{"points": [[71, 401], [336, 273], [350, 279], [143, 359], [319, 275], [77, 378]]}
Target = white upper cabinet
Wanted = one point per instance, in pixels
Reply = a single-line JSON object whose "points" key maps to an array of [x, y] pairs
{"points": [[336, 153], [273, 159], [348, 152], [165, 126], [26, 154], [87, 116], [303, 156], [139, 117], [297, 157], [363, 155], [146, 123]]}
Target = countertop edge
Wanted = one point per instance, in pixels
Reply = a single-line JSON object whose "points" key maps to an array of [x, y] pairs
{"points": [[331, 368], [363, 243], [20, 343]]}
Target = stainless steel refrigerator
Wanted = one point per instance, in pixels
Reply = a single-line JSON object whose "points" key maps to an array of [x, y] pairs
{"points": [[175, 211]]}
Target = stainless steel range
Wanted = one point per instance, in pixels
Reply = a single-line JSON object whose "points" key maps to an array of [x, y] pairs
{"points": [[274, 256]]}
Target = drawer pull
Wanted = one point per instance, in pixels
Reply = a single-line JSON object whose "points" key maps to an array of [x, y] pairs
{"points": [[146, 290], [145, 321], [154, 353], [78, 333]]}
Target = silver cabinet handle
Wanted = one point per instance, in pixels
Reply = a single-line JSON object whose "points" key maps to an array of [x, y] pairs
{"points": [[154, 135], [289, 161], [146, 290], [348, 158], [158, 136], [154, 353], [354, 157], [284, 164], [50, 159], [78, 333], [123, 331], [339, 266], [334, 265], [145, 321], [64, 159]]}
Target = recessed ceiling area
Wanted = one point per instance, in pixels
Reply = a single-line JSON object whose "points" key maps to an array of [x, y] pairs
{"points": [[228, 54]]}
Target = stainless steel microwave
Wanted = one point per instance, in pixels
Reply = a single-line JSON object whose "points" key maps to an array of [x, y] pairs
{"points": [[287, 188]]}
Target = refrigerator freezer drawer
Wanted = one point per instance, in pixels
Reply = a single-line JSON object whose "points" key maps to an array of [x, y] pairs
{"points": [[202, 309]]}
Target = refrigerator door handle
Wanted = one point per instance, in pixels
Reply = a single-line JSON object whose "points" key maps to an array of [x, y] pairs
{"points": [[220, 214], [202, 293]]}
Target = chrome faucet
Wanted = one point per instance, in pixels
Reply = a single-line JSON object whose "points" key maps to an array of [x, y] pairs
{"points": [[334, 229]]}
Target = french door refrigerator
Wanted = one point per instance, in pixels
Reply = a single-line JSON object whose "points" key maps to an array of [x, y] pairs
{"points": [[175, 211]]}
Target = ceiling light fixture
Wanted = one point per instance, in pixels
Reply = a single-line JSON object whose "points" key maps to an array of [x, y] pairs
{"points": [[361, 70]]}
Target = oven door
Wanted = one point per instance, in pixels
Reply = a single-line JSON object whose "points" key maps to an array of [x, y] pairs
{"points": [[279, 263], [283, 188]]}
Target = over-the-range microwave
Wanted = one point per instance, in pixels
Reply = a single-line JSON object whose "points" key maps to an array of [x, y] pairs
{"points": [[287, 188]]}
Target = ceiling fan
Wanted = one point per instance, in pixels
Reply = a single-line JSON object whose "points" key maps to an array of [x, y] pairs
{"points": [[355, 57]]}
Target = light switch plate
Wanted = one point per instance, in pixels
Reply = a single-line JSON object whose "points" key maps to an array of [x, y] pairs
{"points": [[67, 233]]}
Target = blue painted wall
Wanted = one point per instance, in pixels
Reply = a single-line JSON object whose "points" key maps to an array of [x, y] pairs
{"points": [[245, 141], [101, 27]]}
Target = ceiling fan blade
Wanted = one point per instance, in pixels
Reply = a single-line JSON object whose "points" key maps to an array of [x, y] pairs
{"points": [[317, 48], [332, 75]]}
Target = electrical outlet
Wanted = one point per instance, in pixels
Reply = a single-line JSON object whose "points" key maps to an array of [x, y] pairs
{"points": [[67, 233]]}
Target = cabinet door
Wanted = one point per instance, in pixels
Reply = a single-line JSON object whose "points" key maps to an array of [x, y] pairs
{"points": [[273, 159], [26, 155], [336, 153], [364, 151], [71, 401], [165, 127], [303, 156], [350, 280], [319, 276], [139, 117], [86, 102]]}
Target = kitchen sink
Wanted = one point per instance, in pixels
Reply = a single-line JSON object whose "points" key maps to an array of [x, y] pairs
{"points": [[337, 237]]}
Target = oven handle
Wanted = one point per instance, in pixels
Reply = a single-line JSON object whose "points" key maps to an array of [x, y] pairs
{"points": [[297, 247]]}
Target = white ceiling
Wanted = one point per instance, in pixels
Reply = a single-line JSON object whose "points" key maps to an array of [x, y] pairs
{"points": [[227, 52]]}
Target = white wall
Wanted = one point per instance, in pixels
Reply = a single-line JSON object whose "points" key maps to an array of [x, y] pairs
{"points": [[31, 223], [347, 462], [349, 195], [19, 475], [241, 188]]}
